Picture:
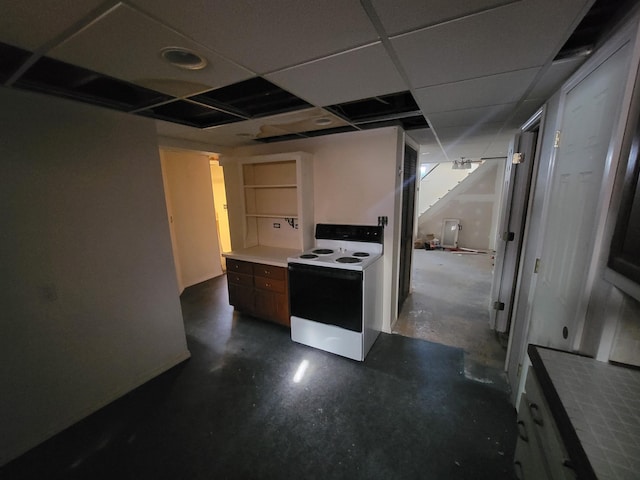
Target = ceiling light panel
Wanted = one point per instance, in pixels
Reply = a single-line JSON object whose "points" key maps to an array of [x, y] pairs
{"points": [[353, 75], [269, 36], [46, 19], [128, 45], [255, 97]]}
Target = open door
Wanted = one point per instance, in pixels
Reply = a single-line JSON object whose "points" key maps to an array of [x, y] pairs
{"points": [[410, 169], [509, 247]]}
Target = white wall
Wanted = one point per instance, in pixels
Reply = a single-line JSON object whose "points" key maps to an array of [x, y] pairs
{"points": [[355, 178], [471, 201], [439, 182], [89, 296], [190, 204]]}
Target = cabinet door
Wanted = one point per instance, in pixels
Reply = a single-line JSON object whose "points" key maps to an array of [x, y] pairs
{"points": [[265, 305], [241, 297], [282, 309]]}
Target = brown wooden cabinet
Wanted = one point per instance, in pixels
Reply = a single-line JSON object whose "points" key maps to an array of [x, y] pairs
{"points": [[259, 290]]}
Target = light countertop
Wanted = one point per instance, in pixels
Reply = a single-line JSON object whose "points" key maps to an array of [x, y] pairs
{"points": [[262, 254]]}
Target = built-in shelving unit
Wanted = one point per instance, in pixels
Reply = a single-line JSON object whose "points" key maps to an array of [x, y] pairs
{"points": [[277, 200]]}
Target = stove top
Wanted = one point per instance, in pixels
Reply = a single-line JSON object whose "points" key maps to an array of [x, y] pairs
{"points": [[343, 246], [338, 258]]}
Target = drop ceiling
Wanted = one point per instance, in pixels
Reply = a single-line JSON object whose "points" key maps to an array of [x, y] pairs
{"points": [[459, 77]]}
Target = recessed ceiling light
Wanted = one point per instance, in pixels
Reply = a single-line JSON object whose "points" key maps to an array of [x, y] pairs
{"points": [[323, 121], [183, 58]]}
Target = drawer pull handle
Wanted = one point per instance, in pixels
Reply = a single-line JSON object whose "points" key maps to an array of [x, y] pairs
{"points": [[535, 414], [522, 431], [267, 284], [518, 470]]}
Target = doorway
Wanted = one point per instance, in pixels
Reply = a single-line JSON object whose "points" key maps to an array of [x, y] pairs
{"points": [[220, 208], [450, 285], [410, 165]]}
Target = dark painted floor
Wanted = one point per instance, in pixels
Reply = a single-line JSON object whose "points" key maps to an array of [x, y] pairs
{"points": [[234, 411]]}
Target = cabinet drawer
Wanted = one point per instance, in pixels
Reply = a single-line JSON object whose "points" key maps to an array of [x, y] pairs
{"points": [[239, 266], [240, 279], [269, 271], [270, 284], [529, 462], [544, 424]]}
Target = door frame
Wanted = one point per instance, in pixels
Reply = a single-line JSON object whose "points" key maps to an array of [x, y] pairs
{"points": [[405, 263]]}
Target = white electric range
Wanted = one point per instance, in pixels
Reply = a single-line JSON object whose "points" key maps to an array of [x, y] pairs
{"points": [[335, 290]]}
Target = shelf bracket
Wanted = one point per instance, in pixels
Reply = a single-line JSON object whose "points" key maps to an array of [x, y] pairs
{"points": [[291, 222]]}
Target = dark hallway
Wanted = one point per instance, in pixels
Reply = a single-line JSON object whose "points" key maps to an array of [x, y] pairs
{"points": [[244, 407]]}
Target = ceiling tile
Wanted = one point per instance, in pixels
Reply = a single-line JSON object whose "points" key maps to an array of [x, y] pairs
{"points": [[420, 13], [114, 46], [315, 119], [524, 112], [478, 92], [471, 116], [554, 77], [422, 136], [497, 41], [269, 36], [46, 19], [466, 134], [353, 75]]}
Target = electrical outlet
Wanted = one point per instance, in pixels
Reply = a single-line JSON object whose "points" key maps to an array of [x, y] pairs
{"points": [[276, 225], [383, 221]]}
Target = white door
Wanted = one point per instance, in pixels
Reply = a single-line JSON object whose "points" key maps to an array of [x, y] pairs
{"points": [[450, 229], [590, 111], [507, 260]]}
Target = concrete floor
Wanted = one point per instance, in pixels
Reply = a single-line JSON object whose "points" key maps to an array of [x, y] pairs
{"points": [[234, 411], [449, 305]]}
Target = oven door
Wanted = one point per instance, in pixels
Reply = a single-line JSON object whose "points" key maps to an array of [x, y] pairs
{"points": [[326, 295]]}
